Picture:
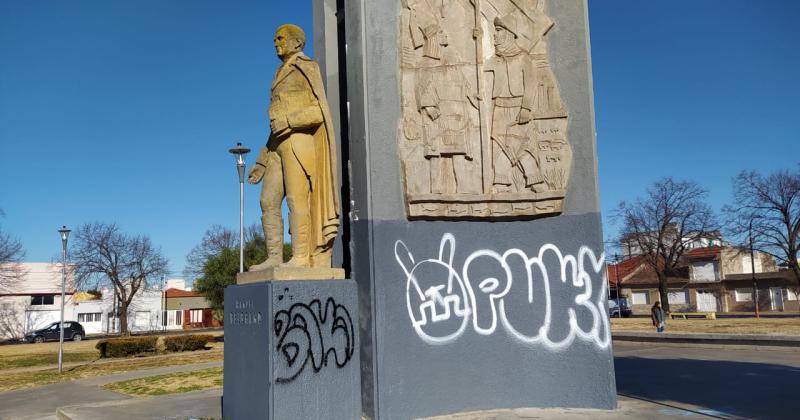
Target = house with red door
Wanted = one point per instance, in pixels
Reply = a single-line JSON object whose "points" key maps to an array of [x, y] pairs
{"points": [[187, 309]]}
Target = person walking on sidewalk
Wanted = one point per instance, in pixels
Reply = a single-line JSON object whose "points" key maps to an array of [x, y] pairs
{"points": [[658, 316]]}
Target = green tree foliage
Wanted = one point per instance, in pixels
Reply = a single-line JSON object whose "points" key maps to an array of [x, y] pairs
{"points": [[220, 271]]}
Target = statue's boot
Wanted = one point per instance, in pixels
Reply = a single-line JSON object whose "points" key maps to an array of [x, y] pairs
{"points": [[301, 241], [273, 233]]}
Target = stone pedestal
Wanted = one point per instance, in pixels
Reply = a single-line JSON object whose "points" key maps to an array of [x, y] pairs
{"points": [[291, 351], [291, 274]]}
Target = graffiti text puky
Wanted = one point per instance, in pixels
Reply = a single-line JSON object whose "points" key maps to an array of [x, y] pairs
{"points": [[443, 302]]}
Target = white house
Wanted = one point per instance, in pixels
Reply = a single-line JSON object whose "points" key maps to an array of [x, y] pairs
{"points": [[34, 300], [145, 313]]}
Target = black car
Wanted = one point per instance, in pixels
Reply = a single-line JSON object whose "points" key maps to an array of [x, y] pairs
{"points": [[614, 306], [72, 331]]}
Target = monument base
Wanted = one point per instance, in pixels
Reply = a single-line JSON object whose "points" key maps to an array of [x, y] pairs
{"points": [[280, 273], [291, 351]]}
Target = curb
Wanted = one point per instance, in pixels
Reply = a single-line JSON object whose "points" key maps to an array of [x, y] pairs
{"points": [[697, 338]]}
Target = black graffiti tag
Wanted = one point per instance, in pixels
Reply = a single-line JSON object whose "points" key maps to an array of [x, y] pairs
{"points": [[312, 333]]}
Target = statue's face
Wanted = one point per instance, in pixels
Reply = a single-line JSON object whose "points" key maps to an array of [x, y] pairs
{"points": [[285, 44], [501, 35]]}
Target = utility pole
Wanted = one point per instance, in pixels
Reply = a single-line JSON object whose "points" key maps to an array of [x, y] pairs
{"points": [[164, 303], [619, 289], [753, 270]]}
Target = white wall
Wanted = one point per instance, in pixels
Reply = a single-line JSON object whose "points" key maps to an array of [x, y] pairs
{"points": [[144, 313], [18, 316]]}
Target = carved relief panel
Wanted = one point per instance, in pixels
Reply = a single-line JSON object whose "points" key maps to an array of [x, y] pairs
{"points": [[483, 132]]}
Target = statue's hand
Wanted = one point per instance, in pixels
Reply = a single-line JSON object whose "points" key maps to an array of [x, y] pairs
{"points": [[524, 116], [433, 112], [256, 174]]}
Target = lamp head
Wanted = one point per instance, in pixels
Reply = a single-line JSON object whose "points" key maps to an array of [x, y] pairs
{"points": [[239, 151], [64, 232]]}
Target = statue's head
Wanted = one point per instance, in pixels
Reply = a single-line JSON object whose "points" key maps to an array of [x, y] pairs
{"points": [[289, 39], [505, 29]]}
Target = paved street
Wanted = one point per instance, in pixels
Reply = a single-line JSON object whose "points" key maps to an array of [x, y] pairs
{"points": [[653, 380], [720, 381]]}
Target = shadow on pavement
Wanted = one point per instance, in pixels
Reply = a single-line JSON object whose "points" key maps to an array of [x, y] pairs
{"points": [[740, 389]]}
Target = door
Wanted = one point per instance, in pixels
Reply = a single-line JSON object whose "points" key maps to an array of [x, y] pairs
{"points": [[706, 301], [776, 298], [53, 333]]}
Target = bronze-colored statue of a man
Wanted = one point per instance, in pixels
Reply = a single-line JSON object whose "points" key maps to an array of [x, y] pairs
{"points": [[299, 161]]}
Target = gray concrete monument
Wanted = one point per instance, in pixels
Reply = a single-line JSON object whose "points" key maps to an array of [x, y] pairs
{"points": [[291, 351], [474, 224]]}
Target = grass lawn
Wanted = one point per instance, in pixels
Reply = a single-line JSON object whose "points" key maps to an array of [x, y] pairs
{"points": [[172, 383], [14, 356], [19, 380], [777, 326]]}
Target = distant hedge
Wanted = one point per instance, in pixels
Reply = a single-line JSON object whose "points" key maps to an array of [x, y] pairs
{"points": [[188, 342], [127, 346]]}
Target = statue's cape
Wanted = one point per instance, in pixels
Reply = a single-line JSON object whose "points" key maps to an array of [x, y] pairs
{"points": [[325, 188]]}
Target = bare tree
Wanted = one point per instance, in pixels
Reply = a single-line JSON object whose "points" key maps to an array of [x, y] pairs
{"points": [[103, 253], [11, 256], [663, 223], [768, 208], [216, 238]]}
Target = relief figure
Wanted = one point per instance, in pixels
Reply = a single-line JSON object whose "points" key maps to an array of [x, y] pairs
{"points": [[483, 131], [445, 100]]}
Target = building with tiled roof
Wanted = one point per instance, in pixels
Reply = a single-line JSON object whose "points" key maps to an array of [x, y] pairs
{"points": [[713, 279]]}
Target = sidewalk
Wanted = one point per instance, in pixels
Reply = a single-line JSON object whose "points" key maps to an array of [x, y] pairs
{"points": [[198, 404], [207, 403]]}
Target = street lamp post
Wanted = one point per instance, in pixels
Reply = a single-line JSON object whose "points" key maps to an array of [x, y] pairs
{"points": [[239, 153], [64, 232]]}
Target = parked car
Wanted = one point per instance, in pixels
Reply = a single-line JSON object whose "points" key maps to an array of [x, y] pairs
{"points": [[72, 331], [614, 306]]}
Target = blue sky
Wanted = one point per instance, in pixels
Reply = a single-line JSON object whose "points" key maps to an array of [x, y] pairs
{"points": [[123, 111]]}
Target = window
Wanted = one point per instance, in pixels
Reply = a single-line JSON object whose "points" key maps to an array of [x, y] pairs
{"points": [[39, 300], [791, 294], [89, 317], [747, 266], [705, 271], [641, 298], [744, 295], [170, 318], [196, 316], [677, 297]]}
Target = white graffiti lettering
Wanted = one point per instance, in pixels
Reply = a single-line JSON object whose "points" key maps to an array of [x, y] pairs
{"points": [[442, 302]]}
